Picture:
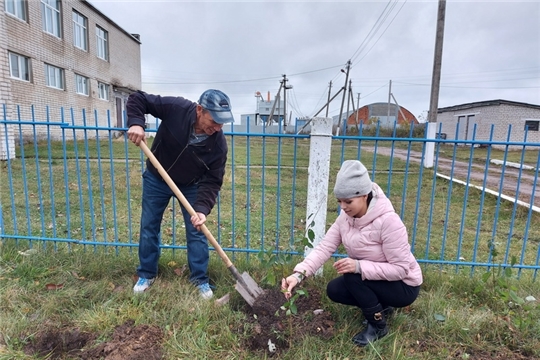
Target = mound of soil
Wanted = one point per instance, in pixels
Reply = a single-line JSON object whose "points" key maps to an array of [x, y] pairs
{"points": [[141, 342], [273, 331]]}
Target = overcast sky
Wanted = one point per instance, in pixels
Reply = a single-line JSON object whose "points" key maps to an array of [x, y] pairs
{"points": [[491, 50]]}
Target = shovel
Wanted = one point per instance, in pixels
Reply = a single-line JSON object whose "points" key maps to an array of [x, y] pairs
{"points": [[245, 285]]}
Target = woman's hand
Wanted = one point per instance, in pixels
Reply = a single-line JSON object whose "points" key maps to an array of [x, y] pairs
{"points": [[288, 284], [346, 265]]}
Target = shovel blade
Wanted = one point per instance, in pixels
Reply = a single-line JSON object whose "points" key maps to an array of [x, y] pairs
{"points": [[249, 289]]}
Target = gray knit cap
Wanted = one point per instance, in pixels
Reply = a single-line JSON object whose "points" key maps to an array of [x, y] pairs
{"points": [[352, 180]]}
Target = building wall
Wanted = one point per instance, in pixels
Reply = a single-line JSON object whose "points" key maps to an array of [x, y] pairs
{"points": [[7, 143], [505, 119], [122, 71]]}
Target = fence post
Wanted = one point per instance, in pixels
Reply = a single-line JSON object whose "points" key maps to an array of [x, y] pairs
{"points": [[1, 223], [318, 175]]}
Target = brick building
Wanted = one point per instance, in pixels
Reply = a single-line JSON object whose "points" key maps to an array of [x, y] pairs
{"points": [[494, 120], [66, 54], [383, 113]]}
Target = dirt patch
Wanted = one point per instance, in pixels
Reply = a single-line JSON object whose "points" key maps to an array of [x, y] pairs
{"points": [[142, 342], [58, 343], [272, 330]]}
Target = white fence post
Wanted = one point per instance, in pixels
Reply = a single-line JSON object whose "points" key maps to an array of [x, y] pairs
{"points": [[318, 176], [430, 145]]}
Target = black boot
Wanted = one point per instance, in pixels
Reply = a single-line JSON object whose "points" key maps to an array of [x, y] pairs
{"points": [[387, 311], [376, 327]]}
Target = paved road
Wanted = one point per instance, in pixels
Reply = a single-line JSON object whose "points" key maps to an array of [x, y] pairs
{"points": [[494, 176]]}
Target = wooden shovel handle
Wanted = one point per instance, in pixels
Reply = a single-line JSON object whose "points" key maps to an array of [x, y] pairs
{"points": [[184, 202]]}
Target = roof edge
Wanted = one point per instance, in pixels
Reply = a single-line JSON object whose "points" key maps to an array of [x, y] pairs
{"points": [[134, 37], [496, 102]]}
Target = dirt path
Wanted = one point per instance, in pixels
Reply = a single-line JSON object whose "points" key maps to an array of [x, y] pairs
{"points": [[459, 170]]}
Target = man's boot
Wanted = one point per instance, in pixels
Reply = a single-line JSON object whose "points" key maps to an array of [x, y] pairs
{"points": [[376, 326]]}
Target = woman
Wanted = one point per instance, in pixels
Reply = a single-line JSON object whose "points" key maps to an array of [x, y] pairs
{"points": [[380, 271]]}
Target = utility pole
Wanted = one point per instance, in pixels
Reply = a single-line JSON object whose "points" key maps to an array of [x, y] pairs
{"points": [[328, 102], [357, 111], [435, 85], [346, 121], [345, 92], [389, 95], [285, 88]]}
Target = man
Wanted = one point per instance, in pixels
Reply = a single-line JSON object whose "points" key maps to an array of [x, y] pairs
{"points": [[191, 147]]}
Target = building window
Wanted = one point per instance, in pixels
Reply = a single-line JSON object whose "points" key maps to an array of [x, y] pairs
{"points": [[103, 91], [82, 84], [54, 76], [16, 8], [80, 31], [18, 67], [532, 125], [50, 15], [102, 43]]}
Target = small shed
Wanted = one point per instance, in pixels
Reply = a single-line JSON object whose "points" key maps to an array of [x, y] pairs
{"points": [[492, 120]]}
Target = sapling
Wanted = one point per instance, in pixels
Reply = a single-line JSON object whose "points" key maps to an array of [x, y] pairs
{"points": [[291, 309]]}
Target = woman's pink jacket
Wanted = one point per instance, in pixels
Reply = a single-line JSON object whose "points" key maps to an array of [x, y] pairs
{"points": [[378, 240]]}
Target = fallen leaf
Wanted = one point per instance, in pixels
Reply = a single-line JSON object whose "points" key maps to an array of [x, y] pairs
{"points": [[440, 317], [27, 252], [223, 300], [180, 271], [76, 276], [54, 286]]}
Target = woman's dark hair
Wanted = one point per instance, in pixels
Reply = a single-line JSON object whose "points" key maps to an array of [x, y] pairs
{"points": [[369, 197]]}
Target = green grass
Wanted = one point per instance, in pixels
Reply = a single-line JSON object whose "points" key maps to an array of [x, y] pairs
{"points": [[450, 318], [259, 207], [262, 203]]}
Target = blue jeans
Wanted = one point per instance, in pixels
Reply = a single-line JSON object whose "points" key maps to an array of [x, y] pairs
{"points": [[155, 198]]}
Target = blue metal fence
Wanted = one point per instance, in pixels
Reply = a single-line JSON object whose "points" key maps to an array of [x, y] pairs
{"points": [[74, 182]]}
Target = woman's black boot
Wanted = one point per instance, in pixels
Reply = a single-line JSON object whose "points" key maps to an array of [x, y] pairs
{"points": [[376, 326]]}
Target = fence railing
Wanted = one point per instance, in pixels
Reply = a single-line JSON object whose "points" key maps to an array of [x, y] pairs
{"points": [[78, 184]]}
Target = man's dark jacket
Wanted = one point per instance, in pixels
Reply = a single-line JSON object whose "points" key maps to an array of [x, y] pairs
{"points": [[202, 163]]}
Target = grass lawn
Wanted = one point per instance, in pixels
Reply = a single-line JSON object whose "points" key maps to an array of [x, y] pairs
{"points": [[89, 194], [455, 317]]}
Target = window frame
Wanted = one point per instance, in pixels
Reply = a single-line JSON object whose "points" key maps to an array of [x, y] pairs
{"points": [[102, 43], [50, 17], [103, 90], [532, 125], [20, 12], [23, 66], [58, 77], [82, 85], [80, 31]]}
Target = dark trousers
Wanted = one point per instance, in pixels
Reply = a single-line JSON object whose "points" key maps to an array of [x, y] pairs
{"points": [[350, 289]]}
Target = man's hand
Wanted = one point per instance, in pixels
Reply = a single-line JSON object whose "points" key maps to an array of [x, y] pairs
{"points": [[198, 220], [346, 265], [136, 134]]}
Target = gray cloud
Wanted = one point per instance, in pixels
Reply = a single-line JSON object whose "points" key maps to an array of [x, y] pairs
{"points": [[491, 49]]}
